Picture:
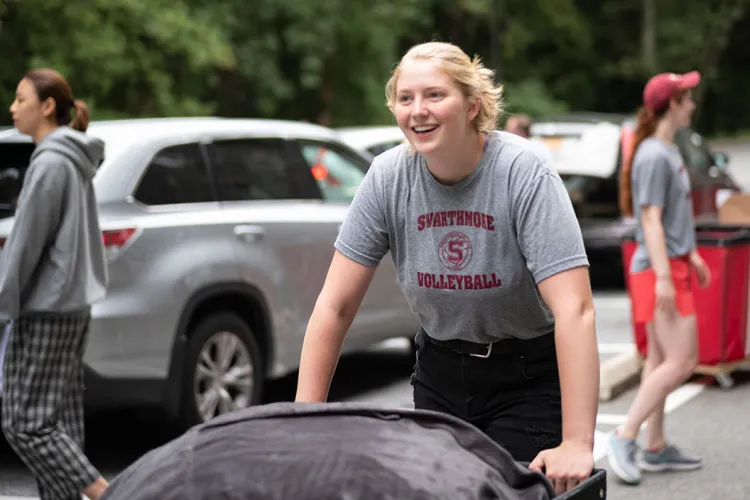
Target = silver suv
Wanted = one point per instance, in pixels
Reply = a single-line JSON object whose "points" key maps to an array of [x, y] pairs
{"points": [[219, 234]]}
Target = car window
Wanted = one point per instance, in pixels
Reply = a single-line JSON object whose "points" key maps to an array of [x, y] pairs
{"points": [[14, 160], [176, 174], [694, 150], [383, 147], [338, 174], [257, 169]]}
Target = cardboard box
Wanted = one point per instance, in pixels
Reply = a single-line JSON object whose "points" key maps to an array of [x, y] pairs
{"points": [[735, 210]]}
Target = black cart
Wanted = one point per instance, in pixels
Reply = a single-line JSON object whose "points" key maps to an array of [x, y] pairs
{"points": [[594, 488]]}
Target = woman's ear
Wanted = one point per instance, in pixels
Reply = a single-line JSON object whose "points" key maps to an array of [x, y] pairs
{"points": [[473, 108], [49, 107]]}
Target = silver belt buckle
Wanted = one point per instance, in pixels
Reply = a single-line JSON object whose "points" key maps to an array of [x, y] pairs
{"points": [[483, 356]]}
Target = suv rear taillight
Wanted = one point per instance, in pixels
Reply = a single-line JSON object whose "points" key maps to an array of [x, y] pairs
{"points": [[115, 239]]}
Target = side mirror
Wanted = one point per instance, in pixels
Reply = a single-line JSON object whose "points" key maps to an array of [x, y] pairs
{"points": [[721, 160]]}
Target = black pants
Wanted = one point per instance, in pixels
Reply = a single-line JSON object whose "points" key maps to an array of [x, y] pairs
{"points": [[513, 395]]}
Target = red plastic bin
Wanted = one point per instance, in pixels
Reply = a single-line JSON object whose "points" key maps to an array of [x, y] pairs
{"points": [[721, 308]]}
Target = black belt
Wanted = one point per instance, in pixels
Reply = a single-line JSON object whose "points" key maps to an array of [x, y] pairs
{"points": [[505, 346]]}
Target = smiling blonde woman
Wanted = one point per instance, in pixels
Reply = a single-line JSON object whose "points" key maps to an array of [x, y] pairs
{"points": [[489, 256]]}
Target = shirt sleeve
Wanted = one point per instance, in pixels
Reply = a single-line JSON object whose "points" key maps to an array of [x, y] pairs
{"points": [[35, 225], [652, 175], [547, 228], [364, 233]]}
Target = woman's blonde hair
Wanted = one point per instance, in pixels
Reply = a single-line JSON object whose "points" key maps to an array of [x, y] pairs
{"points": [[473, 78]]}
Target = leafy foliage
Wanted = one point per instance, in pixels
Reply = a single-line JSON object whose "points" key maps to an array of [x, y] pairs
{"points": [[327, 60]]}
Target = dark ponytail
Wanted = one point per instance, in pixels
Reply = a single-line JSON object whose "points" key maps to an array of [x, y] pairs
{"points": [[50, 84], [80, 120]]}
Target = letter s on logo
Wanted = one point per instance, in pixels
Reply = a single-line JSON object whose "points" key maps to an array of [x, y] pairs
{"points": [[456, 250]]}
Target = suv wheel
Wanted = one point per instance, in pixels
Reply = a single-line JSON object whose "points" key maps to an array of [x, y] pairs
{"points": [[224, 369]]}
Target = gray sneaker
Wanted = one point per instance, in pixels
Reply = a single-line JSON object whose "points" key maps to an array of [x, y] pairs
{"points": [[669, 458], [622, 455]]}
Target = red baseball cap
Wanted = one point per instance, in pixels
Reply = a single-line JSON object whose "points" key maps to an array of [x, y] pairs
{"points": [[664, 86]]}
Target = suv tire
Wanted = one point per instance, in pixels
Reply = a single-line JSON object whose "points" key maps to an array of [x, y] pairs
{"points": [[214, 376]]}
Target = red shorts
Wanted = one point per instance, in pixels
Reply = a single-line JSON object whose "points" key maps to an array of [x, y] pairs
{"points": [[643, 290]]}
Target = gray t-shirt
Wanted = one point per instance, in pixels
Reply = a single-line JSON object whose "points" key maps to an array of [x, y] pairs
{"points": [[468, 256], [660, 178]]}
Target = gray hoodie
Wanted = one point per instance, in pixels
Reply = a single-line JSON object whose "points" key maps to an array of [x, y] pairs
{"points": [[54, 260]]}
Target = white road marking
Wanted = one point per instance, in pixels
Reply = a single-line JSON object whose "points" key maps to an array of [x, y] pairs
{"points": [[616, 347], [394, 344], [600, 444], [610, 419], [682, 395], [619, 300]]}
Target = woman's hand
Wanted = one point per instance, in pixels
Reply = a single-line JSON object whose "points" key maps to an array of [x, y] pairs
{"points": [[665, 294], [700, 268], [566, 466]]}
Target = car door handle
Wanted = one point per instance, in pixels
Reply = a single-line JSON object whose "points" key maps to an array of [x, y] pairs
{"points": [[249, 233]]}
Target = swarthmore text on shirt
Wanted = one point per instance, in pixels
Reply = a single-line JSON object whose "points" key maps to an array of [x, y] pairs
{"points": [[447, 218]]}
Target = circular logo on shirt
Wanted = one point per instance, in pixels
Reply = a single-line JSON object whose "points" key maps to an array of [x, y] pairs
{"points": [[455, 250]]}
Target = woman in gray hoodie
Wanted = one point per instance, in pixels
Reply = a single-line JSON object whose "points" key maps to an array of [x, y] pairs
{"points": [[52, 269]]}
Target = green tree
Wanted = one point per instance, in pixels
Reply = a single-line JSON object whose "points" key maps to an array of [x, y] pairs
{"points": [[126, 57], [324, 61]]}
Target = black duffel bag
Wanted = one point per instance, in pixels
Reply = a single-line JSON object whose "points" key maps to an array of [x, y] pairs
{"points": [[335, 451]]}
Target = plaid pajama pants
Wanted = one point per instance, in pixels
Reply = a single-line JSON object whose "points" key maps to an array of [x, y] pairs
{"points": [[42, 411]]}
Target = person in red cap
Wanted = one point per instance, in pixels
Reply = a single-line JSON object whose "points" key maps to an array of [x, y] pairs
{"points": [[655, 189]]}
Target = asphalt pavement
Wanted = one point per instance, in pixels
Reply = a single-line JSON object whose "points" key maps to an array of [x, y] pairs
{"points": [[703, 418]]}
